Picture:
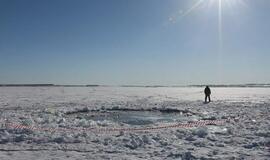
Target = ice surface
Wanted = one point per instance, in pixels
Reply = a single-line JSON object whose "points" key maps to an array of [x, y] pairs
{"points": [[73, 111]]}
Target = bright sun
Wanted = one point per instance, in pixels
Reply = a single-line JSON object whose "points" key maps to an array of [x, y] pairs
{"points": [[220, 5], [227, 3]]}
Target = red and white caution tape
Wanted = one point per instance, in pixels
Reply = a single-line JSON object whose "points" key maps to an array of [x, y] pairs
{"points": [[106, 130]]}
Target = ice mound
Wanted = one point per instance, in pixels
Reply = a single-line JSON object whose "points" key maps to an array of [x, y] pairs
{"points": [[182, 156], [14, 136], [263, 133], [4, 136], [105, 123], [147, 140], [135, 142], [200, 132], [82, 123], [50, 111], [20, 138], [251, 145], [27, 122], [68, 138], [220, 130]]}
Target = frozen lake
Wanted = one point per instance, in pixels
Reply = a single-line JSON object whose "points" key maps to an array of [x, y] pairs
{"points": [[134, 107]]}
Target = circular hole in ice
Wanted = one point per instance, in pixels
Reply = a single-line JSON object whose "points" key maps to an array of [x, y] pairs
{"points": [[138, 117]]}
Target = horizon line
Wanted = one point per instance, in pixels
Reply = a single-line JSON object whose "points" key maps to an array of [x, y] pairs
{"points": [[131, 85]]}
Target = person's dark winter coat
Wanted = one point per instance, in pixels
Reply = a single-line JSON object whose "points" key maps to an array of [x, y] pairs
{"points": [[207, 93]]}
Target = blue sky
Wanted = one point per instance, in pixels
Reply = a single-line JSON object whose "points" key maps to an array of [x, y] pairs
{"points": [[142, 42]]}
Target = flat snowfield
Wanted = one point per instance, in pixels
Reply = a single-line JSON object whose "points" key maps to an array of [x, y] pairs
{"points": [[67, 123]]}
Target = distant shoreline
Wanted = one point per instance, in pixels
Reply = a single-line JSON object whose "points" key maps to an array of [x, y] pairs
{"points": [[45, 85], [139, 86]]}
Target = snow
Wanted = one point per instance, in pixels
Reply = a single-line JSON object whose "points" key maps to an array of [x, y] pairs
{"points": [[72, 111]]}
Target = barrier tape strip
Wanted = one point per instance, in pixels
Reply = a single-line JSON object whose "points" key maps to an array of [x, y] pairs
{"points": [[104, 129]]}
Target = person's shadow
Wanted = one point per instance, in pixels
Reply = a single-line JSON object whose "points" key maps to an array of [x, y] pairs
{"points": [[206, 102]]}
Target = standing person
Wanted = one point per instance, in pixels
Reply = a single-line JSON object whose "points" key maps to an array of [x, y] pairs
{"points": [[207, 93]]}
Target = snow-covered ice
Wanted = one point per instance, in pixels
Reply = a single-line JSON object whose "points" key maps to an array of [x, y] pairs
{"points": [[81, 108]]}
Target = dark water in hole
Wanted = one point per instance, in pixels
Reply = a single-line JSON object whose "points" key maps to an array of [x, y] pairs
{"points": [[138, 117]]}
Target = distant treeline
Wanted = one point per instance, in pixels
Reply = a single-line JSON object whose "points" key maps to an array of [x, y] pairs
{"points": [[26, 85], [153, 86], [45, 85], [146, 86], [233, 85], [201, 85]]}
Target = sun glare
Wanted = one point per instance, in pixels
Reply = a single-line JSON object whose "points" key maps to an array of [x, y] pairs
{"points": [[226, 3], [221, 6]]}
